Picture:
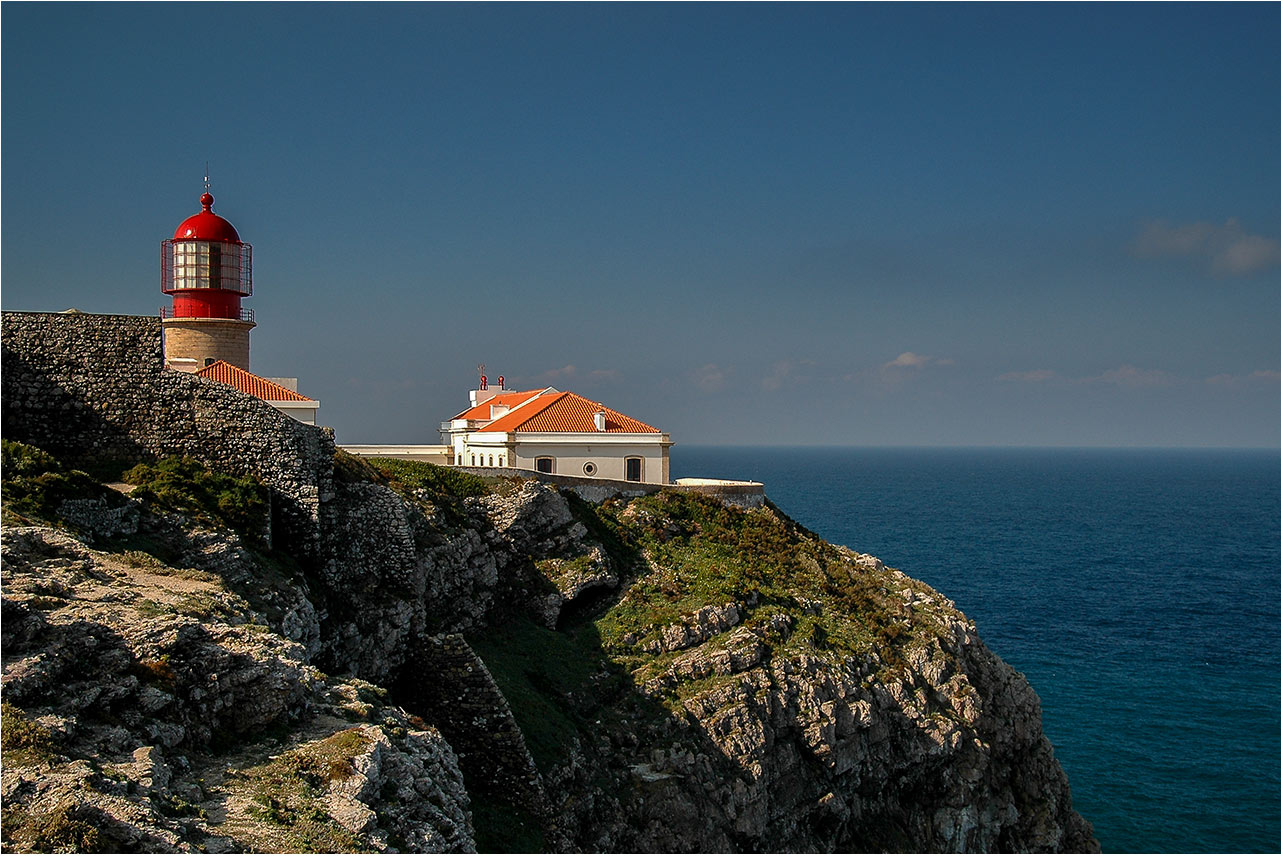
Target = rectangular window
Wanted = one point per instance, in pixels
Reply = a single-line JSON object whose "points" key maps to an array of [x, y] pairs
{"points": [[543, 465], [633, 469]]}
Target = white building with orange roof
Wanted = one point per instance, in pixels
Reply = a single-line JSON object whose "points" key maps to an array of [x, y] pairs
{"points": [[557, 432]]}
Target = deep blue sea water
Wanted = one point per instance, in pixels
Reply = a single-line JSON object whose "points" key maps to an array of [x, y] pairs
{"points": [[1138, 591]]}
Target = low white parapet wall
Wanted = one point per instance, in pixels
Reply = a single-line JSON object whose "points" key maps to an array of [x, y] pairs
{"points": [[431, 454], [745, 494]]}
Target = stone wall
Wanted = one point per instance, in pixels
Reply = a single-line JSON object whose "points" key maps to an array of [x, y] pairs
{"points": [[449, 685], [93, 388]]}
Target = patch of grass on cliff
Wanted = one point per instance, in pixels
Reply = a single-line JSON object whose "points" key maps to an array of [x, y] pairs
{"points": [[538, 671], [286, 792], [557, 682], [444, 487], [35, 484], [187, 486], [439, 482], [24, 741], [65, 829], [704, 553]]}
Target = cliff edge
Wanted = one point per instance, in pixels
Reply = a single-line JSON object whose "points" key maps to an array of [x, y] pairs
{"points": [[222, 635]]}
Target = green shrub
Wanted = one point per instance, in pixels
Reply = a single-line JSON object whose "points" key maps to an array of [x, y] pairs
{"points": [[187, 486], [36, 484], [439, 482], [22, 740], [354, 469], [20, 460], [66, 829], [444, 487]]}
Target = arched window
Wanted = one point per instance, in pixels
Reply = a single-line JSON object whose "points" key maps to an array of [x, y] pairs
{"points": [[474, 460], [492, 460]]}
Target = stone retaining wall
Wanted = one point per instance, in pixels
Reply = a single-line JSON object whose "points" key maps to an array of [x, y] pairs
{"points": [[449, 685], [93, 388]]}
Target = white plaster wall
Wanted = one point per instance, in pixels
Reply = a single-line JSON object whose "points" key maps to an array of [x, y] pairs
{"points": [[569, 459], [570, 453]]}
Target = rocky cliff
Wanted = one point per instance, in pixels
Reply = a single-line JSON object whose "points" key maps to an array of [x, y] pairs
{"points": [[318, 653]]}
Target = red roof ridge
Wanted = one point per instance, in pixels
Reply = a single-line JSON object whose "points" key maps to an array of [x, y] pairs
{"points": [[515, 418], [222, 371], [568, 412], [482, 410]]}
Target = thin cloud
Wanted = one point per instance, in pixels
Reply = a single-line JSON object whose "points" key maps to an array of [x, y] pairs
{"points": [[1228, 249], [907, 360], [1132, 377], [710, 377], [552, 376], [1033, 376], [786, 372], [573, 374]]}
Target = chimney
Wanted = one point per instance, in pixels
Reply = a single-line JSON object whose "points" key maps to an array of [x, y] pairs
{"points": [[599, 420]]}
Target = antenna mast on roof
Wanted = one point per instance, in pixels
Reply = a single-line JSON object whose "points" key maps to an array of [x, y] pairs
{"points": [[207, 176]]}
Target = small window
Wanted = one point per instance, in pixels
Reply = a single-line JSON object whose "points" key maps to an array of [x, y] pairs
{"points": [[474, 460], [492, 460], [633, 469], [590, 469], [501, 460], [543, 465]]}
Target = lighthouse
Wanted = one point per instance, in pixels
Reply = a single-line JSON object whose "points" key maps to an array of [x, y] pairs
{"points": [[207, 269]]}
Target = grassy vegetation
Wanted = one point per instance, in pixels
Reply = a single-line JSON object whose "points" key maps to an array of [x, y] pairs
{"points": [[444, 487], [539, 670], [686, 551], [286, 793], [23, 741], [64, 829], [187, 486], [35, 484]]}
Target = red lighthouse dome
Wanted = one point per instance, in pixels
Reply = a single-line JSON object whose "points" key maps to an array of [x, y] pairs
{"points": [[206, 267], [206, 226]]}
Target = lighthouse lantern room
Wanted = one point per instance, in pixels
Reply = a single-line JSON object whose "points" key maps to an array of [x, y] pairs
{"points": [[207, 269]]}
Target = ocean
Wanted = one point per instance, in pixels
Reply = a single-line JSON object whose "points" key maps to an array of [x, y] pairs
{"points": [[1138, 590]]}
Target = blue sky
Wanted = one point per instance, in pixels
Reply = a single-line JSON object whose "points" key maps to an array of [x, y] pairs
{"points": [[1049, 224]]}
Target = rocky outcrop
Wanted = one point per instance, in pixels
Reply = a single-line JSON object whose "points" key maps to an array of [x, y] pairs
{"points": [[126, 675]]}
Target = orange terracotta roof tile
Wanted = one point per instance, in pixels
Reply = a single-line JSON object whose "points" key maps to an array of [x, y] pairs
{"points": [[567, 412], [251, 384], [512, 399]]}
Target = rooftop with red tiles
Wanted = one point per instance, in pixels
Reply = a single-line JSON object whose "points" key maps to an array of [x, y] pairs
{"points": [[567, 412], [251, 384]]}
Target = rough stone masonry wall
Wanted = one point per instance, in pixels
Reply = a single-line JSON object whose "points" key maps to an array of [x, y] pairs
{"points": [[93, 387], [451, 686]]}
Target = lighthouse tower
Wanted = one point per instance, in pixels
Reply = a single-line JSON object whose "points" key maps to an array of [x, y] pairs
{"points": [[207, 269]]}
